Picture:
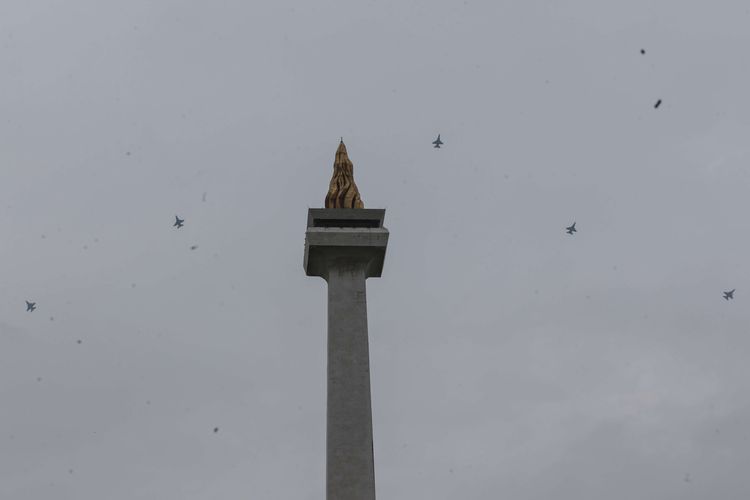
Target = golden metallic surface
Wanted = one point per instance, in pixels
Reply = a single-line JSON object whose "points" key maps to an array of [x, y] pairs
{"points": [[343, 192]]}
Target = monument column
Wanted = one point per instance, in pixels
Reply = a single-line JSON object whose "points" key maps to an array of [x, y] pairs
{"points": [[345, 244]]}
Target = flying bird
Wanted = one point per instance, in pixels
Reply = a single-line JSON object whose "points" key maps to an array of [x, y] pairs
{"points": [[178, 222], [437, 142], [658, 103], [30, 306], [643, 51], [571, 229], [730, 294]]}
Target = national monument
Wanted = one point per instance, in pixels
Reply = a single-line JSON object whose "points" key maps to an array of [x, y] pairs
{"points": [[345, 244]]}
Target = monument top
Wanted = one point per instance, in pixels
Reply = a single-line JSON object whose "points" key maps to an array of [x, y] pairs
{"points": [[343, 192]]}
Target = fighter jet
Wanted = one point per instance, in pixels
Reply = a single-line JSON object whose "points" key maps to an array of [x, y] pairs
{"points": [[178, 222], [730, 294], [30, 306], [437, 142], [571, 229]]}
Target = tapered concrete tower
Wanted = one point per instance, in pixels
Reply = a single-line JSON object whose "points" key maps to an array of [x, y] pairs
{"points": [[345, 244]]}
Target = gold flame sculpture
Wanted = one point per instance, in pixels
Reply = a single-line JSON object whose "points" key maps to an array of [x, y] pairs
{"points": [[343, 192]]}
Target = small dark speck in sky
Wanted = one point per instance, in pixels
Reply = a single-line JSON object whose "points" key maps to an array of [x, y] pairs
{"points": [[39, 379], [216, 429], [193, 247], [658, 103], [79, 341], [643, 51]]}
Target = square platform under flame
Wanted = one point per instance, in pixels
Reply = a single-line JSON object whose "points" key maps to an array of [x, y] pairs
{"points": [[355, 232]]}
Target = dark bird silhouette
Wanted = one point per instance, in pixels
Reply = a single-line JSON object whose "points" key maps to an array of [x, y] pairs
{"points": [[571, 229], [437, 142], [730, 294], [30, 306], [178, 222], [643, 51], [658, 103]]}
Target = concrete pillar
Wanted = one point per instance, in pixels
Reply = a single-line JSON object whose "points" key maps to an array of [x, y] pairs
{"points": [[350, 471], [345, 247]]}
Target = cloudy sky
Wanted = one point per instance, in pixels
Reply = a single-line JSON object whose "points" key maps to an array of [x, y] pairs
{"points": [[509, 359]]}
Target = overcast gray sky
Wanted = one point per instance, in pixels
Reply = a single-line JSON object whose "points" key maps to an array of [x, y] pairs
{"points": [[509, 359]]}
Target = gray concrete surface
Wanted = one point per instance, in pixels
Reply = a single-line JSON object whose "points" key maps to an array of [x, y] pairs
{"points": [[345, 257]]}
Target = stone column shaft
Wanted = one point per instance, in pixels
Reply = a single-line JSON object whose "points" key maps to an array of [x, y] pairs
{"points": [[350, 471]]}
